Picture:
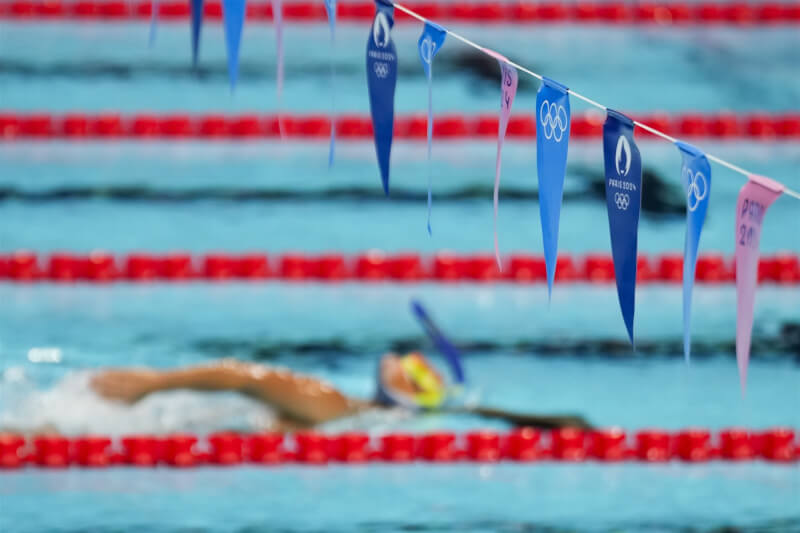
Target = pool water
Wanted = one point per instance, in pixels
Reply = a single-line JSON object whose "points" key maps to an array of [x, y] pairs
{"points": [[110, 67], [571, 355], [196, 197], [505, 498], [524, 354]]}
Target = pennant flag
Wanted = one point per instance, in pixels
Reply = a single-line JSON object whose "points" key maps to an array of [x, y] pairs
{"points": [[153, 22], [754, 198], [552, 141], [197, 24], [381, 81], [277, 16], [696, 176], [430, 42], [623, 168], [233, 14], [330, 7], [508, 89]]}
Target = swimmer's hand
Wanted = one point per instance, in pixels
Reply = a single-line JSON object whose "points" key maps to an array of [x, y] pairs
{"points": [[129, 385]]}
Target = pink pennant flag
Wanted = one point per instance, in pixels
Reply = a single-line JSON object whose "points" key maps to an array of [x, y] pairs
{"points": [[754, 198], [508, 89]]}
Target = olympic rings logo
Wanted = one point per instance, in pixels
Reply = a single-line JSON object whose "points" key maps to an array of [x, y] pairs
{"points": [[697, 188], [554, 120], [622, 200], [381, 69]]}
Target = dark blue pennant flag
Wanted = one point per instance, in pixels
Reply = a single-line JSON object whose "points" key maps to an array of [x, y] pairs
{"points": [[381, 81], [197, 24], [623, 167], [233, 14], [552, 141], [696, 177], [430, 42], [330, 7]]}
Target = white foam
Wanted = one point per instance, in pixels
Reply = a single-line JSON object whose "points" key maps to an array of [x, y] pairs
{"points": [[71, 407]]}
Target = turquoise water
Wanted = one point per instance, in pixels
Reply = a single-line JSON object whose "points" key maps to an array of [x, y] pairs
{"points": [[521, 353], [275, 197], [504, 498], [110, 66]]}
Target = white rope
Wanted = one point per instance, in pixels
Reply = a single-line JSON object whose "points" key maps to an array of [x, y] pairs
{"points": [[589, 101]]}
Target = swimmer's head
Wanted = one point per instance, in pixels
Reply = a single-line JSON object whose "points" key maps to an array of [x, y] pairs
{"points": [[410, 381]]}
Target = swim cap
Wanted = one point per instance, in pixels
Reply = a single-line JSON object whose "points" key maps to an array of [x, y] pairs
{"points": [[431, 390]]}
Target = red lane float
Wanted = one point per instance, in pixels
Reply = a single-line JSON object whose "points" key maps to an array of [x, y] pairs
{"points": [[114, 126], [484, 12], [523, 445], [370, 267], [142, 450]]}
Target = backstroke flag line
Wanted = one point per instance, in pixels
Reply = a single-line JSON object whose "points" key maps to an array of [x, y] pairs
{"points": [[381, 81], [508, 89], [623, 169], [696, 177], [552, 141], [233, 17], [430, 42], [754, 198], [330, 7], [197, 25]]}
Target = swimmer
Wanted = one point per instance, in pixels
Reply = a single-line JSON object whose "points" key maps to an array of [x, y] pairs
{"points": [[299, 400], [408, 381]]}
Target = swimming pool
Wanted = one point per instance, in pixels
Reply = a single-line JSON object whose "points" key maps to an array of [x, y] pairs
{"points": [[521, 354], [504, 330], [494, 498]]}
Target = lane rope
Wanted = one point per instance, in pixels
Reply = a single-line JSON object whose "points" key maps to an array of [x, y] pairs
{"points": [[110, 126], [524, 445], [483, 12], [370, 267]]}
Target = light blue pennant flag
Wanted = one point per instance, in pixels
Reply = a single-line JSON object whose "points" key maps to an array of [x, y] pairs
{"points": [[696, 177], [277, 17], [153, 22], [623, 169], [330, 7], [381, 82], [233, 12], [552, 142], [430, 42], [197, 24]]}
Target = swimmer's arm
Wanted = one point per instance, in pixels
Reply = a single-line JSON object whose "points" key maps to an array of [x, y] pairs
{"points": [[300, 398]]}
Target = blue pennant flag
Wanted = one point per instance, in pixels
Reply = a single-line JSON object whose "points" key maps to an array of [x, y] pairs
{"points": [[277, 17], [623, 168], [197, 24], [552, 142], [233, 12], [696, 177], [330, 7], [153, 22], [430, 42], [381, 81]]}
